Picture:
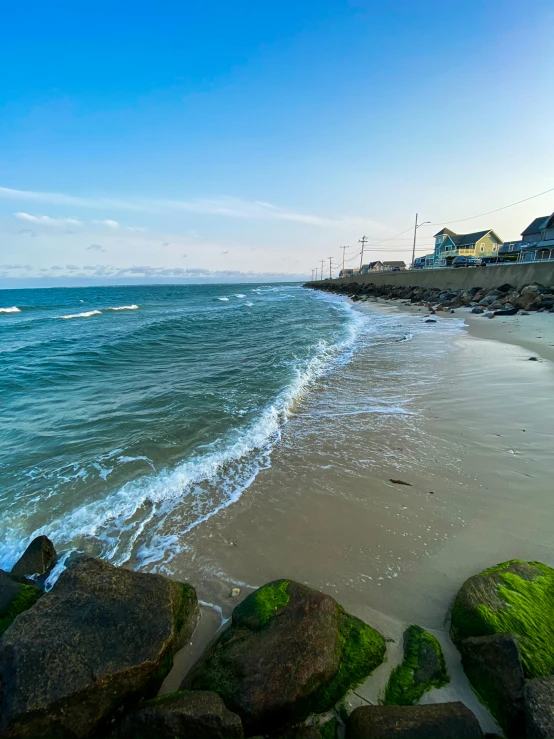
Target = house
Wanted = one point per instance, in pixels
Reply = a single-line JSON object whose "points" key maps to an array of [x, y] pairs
{"points": [[538, 240], [394, 266], [372, 267], [346, 273], [448, 245], [426, 262], [509, 251]]}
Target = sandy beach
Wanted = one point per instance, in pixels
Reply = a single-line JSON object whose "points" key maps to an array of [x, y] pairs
{"points": [[475, 451]]}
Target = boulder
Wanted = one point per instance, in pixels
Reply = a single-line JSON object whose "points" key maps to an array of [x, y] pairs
{"points": [[516, 598], [477, 310], [197, 714], [422, 668], [15, 597], [505, 288], [532, 289], [433, 721], [37, 559], [289, 651], [493, 666], [538, 696], [103, 635]]}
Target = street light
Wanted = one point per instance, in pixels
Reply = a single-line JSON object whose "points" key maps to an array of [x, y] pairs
{"points": [[417, 225]]}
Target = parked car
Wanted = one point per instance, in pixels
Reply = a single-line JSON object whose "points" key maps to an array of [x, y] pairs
{"points": [[467, 262]]}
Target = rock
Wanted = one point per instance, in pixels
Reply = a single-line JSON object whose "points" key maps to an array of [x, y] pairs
{"points": [[477, 309], [538, 697], [434, 721], [493, 666], [431, 320], [532, 289], [516, 598], [507, 311], [235, 592], [197, 714], [102, 636], [37, 559], [533, 359], [505, 288], [290, 651], [422, 668], [15, 597], [309, 730], [488, 315]]}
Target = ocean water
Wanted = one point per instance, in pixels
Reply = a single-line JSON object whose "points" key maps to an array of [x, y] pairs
{"points": [[130, 415]]}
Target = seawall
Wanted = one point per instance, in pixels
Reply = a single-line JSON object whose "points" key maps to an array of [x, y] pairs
{"points": [[488, 277]]}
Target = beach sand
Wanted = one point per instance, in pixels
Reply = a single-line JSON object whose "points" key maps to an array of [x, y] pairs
{"points": [[478, 460]]}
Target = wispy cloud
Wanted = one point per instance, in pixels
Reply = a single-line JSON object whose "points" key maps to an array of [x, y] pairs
{"points": [[95, 247], [109, 223], [228, 207], [47, 221]]}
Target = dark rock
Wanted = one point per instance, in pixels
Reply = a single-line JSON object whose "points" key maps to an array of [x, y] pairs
{"points": [[197, 714], [16, 596], [434, 721], [505, 288], [489, 314], [538, 696], [290, 651], [507, 312], [533, 359], [477, 310], [514, 597], [431, 320], [37, 559], [493, 666], [101, 636]]}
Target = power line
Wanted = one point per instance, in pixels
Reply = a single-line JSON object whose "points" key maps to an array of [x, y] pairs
{"points": [[504, 207]]}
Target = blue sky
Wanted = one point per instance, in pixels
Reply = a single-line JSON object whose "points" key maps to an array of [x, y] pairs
{"points": [[178, 139]]}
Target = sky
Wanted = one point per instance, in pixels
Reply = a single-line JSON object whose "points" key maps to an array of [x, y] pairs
{"points": [[187, 141]]}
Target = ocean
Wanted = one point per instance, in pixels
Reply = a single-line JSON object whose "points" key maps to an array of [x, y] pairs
{"points": [[130, 415]]}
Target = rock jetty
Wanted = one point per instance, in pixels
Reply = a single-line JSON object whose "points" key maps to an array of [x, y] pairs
{"points": [[86, 660], [503, 300]]}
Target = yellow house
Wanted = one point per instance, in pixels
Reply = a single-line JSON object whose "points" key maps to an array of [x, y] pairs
{"points": [[448, 245]]}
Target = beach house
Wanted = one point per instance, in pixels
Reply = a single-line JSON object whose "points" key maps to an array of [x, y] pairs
{"points": [[448, 245], [372, 267], [538, 240], [394, 266]]}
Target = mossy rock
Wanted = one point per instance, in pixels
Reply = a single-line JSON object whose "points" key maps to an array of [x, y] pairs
{"points": [[102, 638], [290, 651], [15, 598], [516, 598], [422, 668]]}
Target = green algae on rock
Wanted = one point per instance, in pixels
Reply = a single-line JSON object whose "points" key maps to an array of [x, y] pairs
{"points": [[422, 668], [290, 651], [15, 598], [516, 598]]}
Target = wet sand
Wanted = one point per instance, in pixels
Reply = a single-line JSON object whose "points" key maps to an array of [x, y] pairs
{"points": [[477, 454]]}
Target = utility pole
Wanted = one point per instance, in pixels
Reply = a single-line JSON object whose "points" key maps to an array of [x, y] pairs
{"points": [[330, 275], [343, 253], [363, 242], [322, 268], [416, 226], [312, 275], [415, 237]]}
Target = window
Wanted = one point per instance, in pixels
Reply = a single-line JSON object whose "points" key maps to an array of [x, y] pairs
{"points": [[482, 248], [494, 248]]}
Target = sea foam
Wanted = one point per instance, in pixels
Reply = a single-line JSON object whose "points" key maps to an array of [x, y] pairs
{"points": [[87, 314], [125, 307], [13, 309]]}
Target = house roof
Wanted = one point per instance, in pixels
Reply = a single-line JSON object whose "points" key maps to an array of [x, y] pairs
{"points": [[537, 225], [445, 232], [505, 247], [465, 239], [394, 264]]}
